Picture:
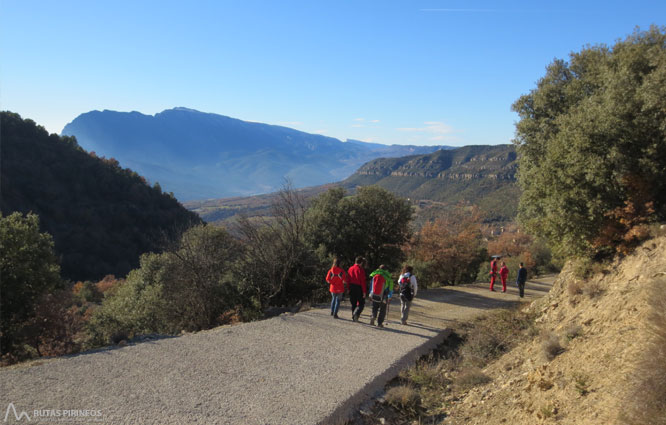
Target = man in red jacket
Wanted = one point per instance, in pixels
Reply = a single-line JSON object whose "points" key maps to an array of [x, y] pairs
{"points": [[357, 287], [493, 273]]}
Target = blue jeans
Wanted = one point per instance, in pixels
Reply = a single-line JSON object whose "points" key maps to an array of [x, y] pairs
{"points": [[335, 302]]}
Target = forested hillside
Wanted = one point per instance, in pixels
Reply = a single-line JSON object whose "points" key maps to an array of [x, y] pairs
{"points": [[102, 217]]}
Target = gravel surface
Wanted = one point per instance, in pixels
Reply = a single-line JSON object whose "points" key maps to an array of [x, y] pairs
{"points": [[305, 368]]}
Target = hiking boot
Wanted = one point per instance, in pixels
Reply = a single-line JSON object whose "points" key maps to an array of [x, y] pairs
{"points": [[372, 322], [332, 313], [335, 316], [380, 325], [404, 322], [354, 318]]}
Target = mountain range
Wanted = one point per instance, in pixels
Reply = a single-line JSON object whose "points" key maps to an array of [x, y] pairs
{"points": [[480, 175], [199, 155]]}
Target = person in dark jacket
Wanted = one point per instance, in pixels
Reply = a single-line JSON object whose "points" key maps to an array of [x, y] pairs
{"points": [[521, 279], [357, 287]]}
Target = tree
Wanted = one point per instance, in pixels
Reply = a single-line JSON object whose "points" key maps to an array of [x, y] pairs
{"points": [[449, 250], [373, 223], [592, 146], [28, 271], [278, 267]]}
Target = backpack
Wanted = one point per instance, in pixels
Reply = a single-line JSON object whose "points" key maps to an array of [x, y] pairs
{"points": [[405, 285], [378, 286]]}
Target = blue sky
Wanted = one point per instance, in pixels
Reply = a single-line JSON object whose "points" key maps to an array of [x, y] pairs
{"points": [[407, 72]]}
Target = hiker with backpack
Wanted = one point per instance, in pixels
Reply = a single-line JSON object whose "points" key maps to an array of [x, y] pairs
{"points": [[407, 286], [381, 293], [357, 288], [337, 279]]}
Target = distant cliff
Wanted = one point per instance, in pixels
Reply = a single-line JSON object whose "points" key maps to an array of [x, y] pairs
{"points": [[482, 175]]}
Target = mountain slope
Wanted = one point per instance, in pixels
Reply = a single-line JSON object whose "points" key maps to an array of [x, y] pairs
{"points": [[200, 155], [102, 217], [481, 175]]}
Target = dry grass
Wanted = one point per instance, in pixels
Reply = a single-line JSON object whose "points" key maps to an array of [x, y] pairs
{"points": [[573, 331], [647, 401], [404, 398], [593, 289], [470, 378], [551, 345]]}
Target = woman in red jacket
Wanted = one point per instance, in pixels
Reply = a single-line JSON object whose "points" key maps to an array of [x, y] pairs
{"points": [[504, 273], [337, 278]]}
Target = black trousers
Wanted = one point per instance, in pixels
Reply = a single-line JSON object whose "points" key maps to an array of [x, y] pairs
{"points": [[378, 306], [356, 298], [521, 289]]}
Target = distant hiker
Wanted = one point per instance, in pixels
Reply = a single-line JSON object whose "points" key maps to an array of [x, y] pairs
{"points": [[408, 287], [504, 274], [357, 287], [493, 272], [381, 293], [337, 278], [521, 279]]}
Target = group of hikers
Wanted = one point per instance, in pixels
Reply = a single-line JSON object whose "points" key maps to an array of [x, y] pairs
{"points": [[382, 288], [380, 292], [504, 274]]}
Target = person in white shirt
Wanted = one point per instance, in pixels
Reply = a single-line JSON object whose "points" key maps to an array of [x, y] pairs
{"points": [[407, 288]]}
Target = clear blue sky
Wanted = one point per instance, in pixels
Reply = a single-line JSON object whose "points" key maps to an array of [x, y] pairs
{"points": [[408, 71]]}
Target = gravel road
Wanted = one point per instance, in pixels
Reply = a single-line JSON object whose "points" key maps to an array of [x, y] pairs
{"points": [[305, 368]]}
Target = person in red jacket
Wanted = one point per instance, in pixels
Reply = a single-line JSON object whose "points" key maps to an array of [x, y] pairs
{"points": [[337, 279], [493, 273], [504, 273], [357, 287]]}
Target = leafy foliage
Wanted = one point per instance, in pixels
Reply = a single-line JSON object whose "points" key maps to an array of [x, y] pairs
{"points": [[102, 217], [592, 146], [449, 250], [186, 288], [373, 223], [29, 270]]}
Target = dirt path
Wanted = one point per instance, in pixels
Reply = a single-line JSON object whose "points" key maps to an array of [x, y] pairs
{"points": [[306, 368]]}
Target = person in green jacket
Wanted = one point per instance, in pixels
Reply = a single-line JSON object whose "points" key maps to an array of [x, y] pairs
{"points": [[380, 294]]}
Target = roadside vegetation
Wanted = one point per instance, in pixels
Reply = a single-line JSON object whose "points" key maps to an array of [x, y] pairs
{"points": [[425, 392]]}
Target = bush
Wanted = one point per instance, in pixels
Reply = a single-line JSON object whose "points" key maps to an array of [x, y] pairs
{"points": [[551, 345], [403, 398], [470, 378], [187, 288]]}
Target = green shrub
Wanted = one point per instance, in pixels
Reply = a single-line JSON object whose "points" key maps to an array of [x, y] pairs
{"points": [[186, 288]]}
